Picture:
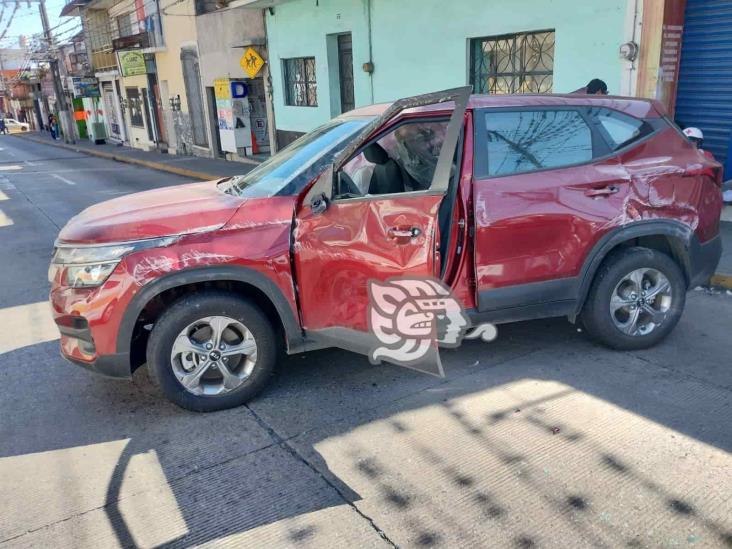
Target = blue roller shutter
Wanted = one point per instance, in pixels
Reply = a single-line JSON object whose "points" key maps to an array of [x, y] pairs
{"points": [[704, 97]]}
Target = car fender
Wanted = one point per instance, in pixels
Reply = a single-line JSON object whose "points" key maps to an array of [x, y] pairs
{"points": [[682, 238], [293, 333]]}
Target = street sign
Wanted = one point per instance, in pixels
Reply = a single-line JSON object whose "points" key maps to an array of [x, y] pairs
{"points": [[84, 87], [251, 62], [222, 88], [131, 63]]}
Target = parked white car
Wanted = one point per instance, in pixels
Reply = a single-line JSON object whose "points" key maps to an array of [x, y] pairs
{"points": [[14, 126]]}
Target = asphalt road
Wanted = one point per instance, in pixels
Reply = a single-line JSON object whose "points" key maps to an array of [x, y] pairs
{"points": [[539, 439]]}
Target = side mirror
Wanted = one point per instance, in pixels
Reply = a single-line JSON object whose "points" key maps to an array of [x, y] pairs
{"points": [[319, 204]]}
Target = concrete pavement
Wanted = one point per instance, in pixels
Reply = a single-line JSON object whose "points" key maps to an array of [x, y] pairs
{"points": [[723, 277], [540, 439]]}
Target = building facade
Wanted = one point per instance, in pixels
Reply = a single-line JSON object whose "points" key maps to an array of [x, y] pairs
{"points": [[227, 35], [331, 55], [173, 73]]}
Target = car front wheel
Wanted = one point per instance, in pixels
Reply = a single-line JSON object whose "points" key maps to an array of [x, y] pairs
{"points": [[636, 299], [211, 351]]}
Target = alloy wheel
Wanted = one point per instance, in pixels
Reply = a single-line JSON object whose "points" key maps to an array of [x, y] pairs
{"points": [[641, 301], [213, 355]]}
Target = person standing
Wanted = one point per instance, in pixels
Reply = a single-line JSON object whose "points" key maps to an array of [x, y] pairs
{"points": [[52, 125], [594, 87]]}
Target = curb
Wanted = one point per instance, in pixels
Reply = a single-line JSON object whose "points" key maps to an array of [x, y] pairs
{"points": [[202, 176], [722, 281]]}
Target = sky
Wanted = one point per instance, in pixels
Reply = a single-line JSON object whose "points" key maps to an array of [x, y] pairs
{"points": [[27, 21]]}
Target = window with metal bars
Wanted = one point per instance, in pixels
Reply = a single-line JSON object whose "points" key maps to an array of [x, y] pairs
{"points": [[513, 63], [301, 88]]}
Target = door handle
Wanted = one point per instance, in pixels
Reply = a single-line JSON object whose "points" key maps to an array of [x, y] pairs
{"points": [[604, 191], [401, 234]]}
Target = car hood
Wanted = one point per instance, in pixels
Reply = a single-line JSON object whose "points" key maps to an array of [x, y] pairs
{"points": [[182, 209]]}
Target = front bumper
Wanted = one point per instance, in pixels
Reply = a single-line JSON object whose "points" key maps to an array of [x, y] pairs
{"points": [[117, 366], [77, 346]]}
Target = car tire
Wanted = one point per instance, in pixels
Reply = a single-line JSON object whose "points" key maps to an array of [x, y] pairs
{"points": [[181, 324], [615, 304]]}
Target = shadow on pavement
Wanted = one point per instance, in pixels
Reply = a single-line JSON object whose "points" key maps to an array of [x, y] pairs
{"points": [[536, 437]]}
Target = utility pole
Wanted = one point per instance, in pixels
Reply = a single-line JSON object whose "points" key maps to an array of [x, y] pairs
{"points": [[5, 93], [67, 124], [63, 110]]}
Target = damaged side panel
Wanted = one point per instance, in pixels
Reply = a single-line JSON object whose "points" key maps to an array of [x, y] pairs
{"points": [[257, 238], [542, 226], [671, 179]]}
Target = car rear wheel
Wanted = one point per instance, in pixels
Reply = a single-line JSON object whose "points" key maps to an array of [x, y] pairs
{"points": [[636, 299], [211, 351]]}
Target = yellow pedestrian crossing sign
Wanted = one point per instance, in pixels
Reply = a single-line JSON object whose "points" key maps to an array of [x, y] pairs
{"points": [[251, 62]]}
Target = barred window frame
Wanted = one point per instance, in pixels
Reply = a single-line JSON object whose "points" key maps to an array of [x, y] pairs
{"points": [[521, 62], [300, 81]]}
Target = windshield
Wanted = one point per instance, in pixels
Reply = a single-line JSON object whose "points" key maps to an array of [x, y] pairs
{"points": [[288, 171]]}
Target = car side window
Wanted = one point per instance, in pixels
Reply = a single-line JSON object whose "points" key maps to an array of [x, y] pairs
{"points": [[402, 160], [617, 128], [526, 141]]}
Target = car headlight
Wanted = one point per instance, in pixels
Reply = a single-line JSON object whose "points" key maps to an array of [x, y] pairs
{"points": [[90, 266]]}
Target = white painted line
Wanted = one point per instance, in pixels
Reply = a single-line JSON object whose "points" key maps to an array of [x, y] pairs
{"points": [[11, 167], [3, 196], [62, 178]]}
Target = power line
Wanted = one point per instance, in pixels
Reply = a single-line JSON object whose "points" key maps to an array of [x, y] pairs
{"points": [[10, 21]]}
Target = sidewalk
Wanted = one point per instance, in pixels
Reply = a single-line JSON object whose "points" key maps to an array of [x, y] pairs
{"points": [[189, 166], [724, 270]]}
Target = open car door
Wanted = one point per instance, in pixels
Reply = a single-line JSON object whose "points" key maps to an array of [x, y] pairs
{"points": [[348, 236]]}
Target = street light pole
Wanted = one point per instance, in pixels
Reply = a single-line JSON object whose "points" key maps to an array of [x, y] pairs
{"points": [[63, 112]]}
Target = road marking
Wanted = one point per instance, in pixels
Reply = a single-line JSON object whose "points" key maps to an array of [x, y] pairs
{"points": [[41, 171], [3, 196], [62, 178], [11, 167], [5, 221]]}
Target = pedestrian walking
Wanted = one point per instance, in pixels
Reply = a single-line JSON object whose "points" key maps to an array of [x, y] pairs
{"points": [[52, 125], [696, 136], [3, 126]]}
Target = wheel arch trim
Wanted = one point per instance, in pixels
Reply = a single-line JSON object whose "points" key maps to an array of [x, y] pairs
{"points": [[293, 333], [681, 238]]}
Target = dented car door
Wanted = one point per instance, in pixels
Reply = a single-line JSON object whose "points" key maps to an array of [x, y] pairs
{"points": [[342, 240]]}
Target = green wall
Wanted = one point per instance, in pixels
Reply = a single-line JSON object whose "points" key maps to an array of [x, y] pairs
{"points": [[422, 45]]}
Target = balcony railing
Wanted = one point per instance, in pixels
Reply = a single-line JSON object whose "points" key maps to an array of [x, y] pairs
{"points": [[104, 61]]}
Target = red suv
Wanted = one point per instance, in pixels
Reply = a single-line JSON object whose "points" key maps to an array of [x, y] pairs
{"points": [[591, 207]]}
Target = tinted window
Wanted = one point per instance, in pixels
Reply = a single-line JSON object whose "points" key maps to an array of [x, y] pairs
{"points": [[525, 141], [619, 129]]}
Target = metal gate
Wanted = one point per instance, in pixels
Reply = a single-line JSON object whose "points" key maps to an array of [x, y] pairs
{"points": [[704, 97], [345, 68]]}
